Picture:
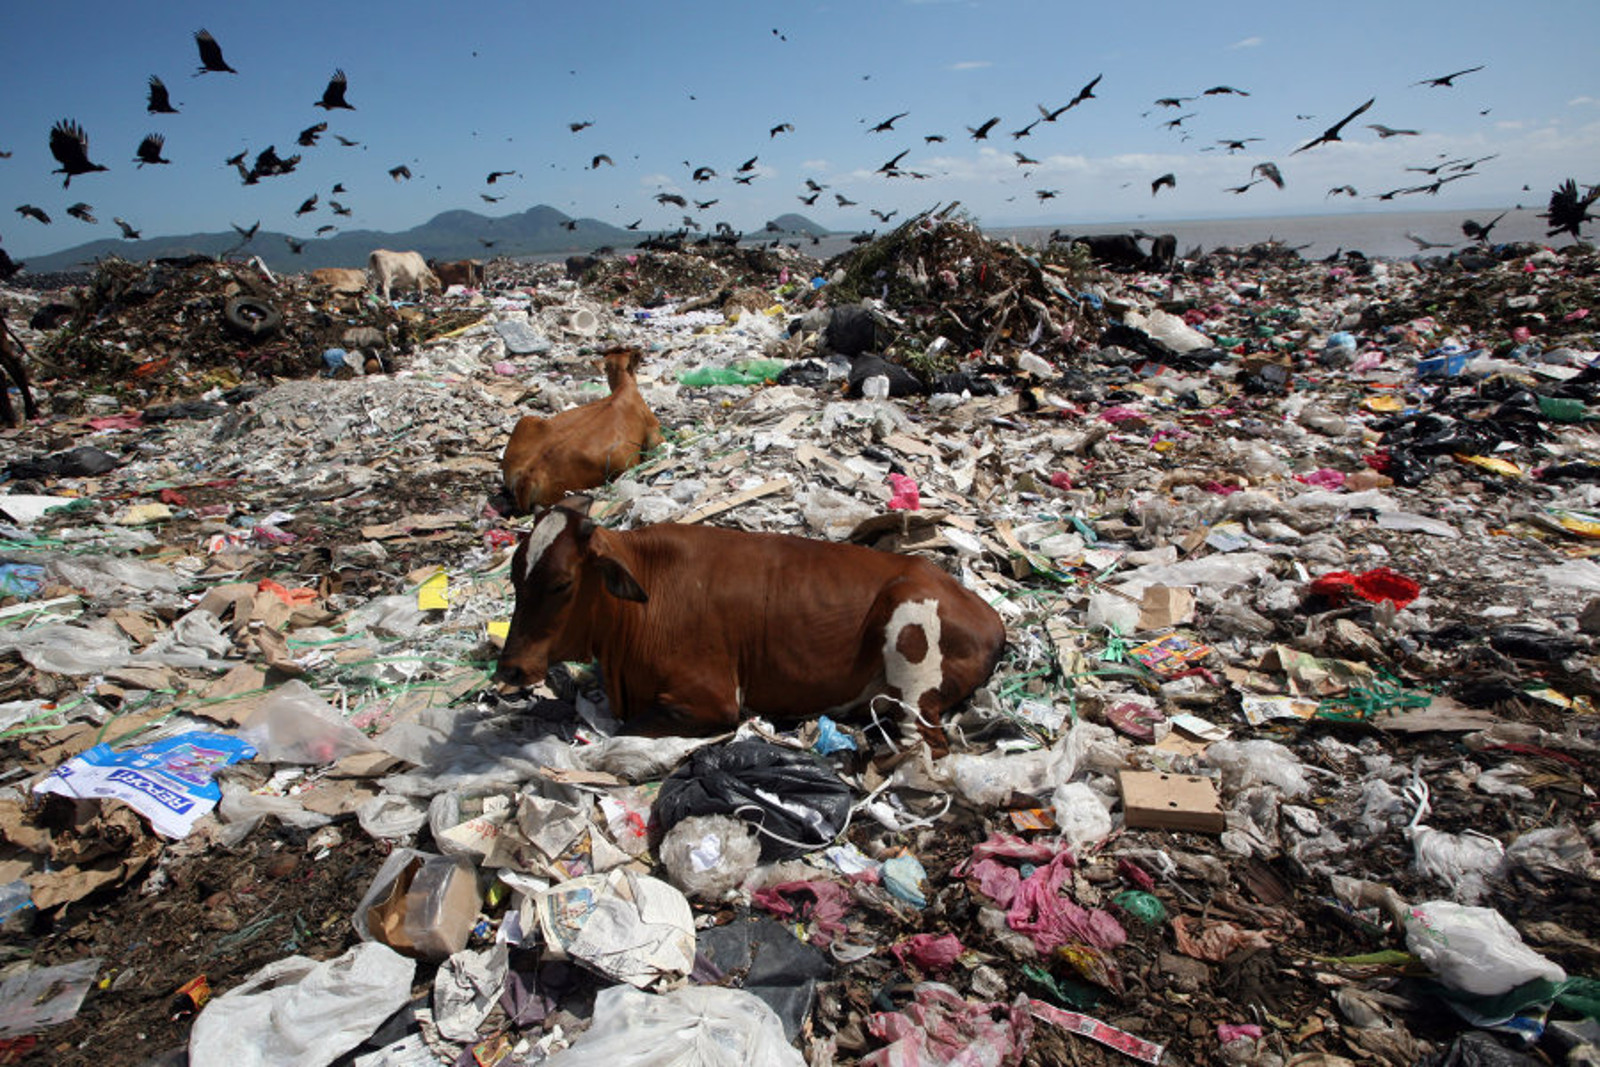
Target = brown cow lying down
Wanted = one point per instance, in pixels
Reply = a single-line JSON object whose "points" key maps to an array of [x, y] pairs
{"points": [[694, 625], [547, 458]]}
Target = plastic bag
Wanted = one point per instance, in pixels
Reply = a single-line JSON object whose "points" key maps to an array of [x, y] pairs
{"points": [[241, 811], [295, 725], [1247, 763], [1474, 950], [707, 855], [300, 1013], [1080, 816], [420, 904], [793, 800], [1463, 862], [698, 1026], [748, 372], [64, 649]]}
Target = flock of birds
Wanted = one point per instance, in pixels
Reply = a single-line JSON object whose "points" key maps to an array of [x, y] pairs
{"points": [[69, 145]]}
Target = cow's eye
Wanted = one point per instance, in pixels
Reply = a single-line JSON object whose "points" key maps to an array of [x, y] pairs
{"points": [[560, 587]]}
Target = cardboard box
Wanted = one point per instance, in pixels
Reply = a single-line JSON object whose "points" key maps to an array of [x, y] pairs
{"points": [[1156, 800]]}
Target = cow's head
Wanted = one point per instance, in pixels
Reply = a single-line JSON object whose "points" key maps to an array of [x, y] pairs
{"points": [[621, 362], [559, 569]]}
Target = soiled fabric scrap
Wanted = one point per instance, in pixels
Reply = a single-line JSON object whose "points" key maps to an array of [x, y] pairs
{"points": [[941, 1029], [824, 904], [1034, 906], [1217, 941], [929, 952]]}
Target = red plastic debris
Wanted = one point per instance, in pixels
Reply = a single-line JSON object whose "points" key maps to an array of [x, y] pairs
{"points": [[929, 952], [906, 496], [1376, 585]]}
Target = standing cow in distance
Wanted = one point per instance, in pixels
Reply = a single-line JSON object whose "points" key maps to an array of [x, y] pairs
{"points": [[401, 270], [583, 447], [695, 625]]}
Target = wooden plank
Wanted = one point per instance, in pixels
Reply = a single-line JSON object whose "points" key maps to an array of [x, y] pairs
{"points": [[718, 507], [1156, 800]]}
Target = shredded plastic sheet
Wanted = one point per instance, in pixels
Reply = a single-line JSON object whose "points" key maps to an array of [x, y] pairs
{"points": [[942, 1029], [41, 997], [169, 782]]}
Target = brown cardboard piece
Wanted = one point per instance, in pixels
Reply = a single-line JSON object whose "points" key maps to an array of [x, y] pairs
{"points": [[1165, 606], [1156, 800]]}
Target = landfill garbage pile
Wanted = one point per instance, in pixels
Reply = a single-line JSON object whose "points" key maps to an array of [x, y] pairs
{"points": [[1291, 758]]}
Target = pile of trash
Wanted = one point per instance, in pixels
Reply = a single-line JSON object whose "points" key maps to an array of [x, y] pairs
{"points": [[1290, 760]]}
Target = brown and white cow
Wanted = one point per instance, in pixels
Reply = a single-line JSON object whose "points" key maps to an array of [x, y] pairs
{"points": [[469, 273], [401, 270], [340, 279], [694, 625], [580, 448]]}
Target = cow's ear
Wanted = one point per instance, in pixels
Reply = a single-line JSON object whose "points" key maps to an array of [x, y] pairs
{"points": [[635, 357], [577, 503], [619, 583]]}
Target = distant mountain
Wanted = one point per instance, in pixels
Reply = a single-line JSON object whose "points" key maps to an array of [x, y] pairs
{"points": [[794, 223], [450, 235]]}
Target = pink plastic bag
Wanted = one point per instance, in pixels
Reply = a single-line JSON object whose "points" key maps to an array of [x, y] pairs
{"points": [[906, 496]]}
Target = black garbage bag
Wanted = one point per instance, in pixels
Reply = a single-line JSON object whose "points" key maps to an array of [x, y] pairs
{"points": [[854, 329], [901, 381], [762, 957], [811, 372], [795, 803], [80, 462]]}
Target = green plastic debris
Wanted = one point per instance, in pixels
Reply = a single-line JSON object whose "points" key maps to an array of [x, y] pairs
{"points": [[1563, 409], [1143, 906], [1361, 703], [1063, 991], [748, 372]]}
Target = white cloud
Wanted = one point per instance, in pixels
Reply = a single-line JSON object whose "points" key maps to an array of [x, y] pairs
{"points": [[971, 64], [814, 164], [1507, 124], [1247, 42], [651, 181], [1583, 101]]}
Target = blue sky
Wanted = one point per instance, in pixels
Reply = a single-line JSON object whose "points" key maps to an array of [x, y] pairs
{"points": [[454, 91]]}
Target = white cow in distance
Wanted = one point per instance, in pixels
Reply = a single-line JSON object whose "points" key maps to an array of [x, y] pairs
{"points": [[401, 270]]}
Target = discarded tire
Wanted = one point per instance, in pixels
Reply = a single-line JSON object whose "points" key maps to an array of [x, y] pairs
{"points": [[251, 317]]}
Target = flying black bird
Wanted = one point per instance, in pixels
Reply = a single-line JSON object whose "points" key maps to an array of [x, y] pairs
{"points": [[149, 150], [748, 165], [1173, 124], [28, 211], [1086, 93], [307, 206], [1223, 90], [594, 164], [347, 142], [1568, 211], [485, 242], [1026, 131], [338, 187], [333, 95], [782, 127], [128, 232], [933, 138], [880, 216], [1434, 170], [813, 186], [1433, 187], [1173, 101], [843, 200], [569, 224], [1424, 244], [1268, 171], [703, 174], [235, 161], [328, 228], [1169, 180], [402, 171], [1385, 132], [1051, 116], [496, 175], [487, 199], [338, 208], [1024, 161], [1238, 144], [1480, 232], [83, 211], [634, 225], [247, 235], [576, 126], [160, 103], [295, 247], [671, 198], [1469, 164], [702, 205], [982, 132], [210, 54], [246, 175], [888, 123], [1332, 132], [1238, 189], [268, 164], [1347, 190], [70, 145], [1447, 80], [308, 136], [1046, 194], [744, 179], [808, 200], [892, 166]]}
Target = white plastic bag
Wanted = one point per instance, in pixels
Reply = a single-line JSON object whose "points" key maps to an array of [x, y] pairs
{"points": [[1247, 763], [300, 1013], [295, 725], [1474, 950], [1081, 816], [697, 1026], [707, 855], [1463, 862]]}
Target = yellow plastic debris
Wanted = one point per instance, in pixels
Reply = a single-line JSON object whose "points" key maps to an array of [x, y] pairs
{"points": [[432, 595], [1492, 463]]}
